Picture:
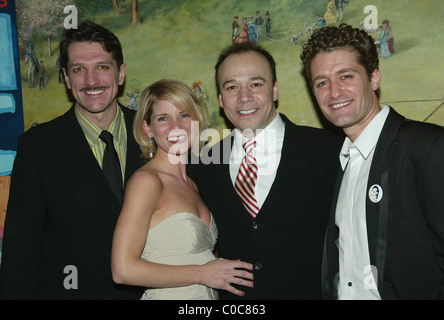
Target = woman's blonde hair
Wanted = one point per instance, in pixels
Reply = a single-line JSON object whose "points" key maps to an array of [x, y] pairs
{"points": [[178, 94]]}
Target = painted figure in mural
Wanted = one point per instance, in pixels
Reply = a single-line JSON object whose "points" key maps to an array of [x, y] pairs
{"points": [[252, 30], [267, 24], [389, 34], [207, 103], [339, 4], [62, 207], [133, 95], [320, 21], [280, 230], [59, 69], [31, 71], [235, 28], [31, 54], [259, 22], [200, 94], [384, 51], [163, 216], [243, 35], [330, 13], [42, 75], [385, 237], [32, 64]]}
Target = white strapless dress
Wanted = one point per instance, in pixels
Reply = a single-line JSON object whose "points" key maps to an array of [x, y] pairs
{"points": [[181, 239]]}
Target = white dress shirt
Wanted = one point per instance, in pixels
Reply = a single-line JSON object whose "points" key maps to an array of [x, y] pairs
{"points": [[267, 152], [356, 279]]}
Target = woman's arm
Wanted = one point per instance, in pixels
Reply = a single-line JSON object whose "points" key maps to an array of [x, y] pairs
{"points": [[141, 200]]}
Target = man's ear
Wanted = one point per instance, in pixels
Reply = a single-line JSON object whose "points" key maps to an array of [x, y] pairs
{"points": [[121, 74], [221, 103], [375, 78], [275, 91], [68, 83]]}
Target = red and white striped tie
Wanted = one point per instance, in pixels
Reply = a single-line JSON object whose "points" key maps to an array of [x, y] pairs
{"points": [[246, 179]]}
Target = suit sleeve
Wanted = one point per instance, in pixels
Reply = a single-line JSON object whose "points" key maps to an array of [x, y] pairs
{"points": [[23, 227], [433, 200]]}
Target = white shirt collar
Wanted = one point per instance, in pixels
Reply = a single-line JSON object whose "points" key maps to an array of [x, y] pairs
{"points": [[368, 138], [267, 138]]}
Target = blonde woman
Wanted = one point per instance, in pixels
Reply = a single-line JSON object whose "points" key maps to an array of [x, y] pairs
{"points": [[165, 235]]}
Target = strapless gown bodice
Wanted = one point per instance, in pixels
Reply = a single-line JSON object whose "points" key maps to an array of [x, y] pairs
{"points": [[181, 239]]}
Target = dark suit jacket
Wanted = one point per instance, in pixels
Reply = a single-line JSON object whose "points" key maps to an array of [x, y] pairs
{"points": [[284, 242], [406, 228], [61, 212]]}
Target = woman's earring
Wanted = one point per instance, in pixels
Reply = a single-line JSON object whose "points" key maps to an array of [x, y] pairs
{"points": [[151, 148]]}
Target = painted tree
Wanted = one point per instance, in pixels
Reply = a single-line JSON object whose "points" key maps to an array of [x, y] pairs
{"points": [[25, 28], [46, 16], [135, 12], [116, 6]]}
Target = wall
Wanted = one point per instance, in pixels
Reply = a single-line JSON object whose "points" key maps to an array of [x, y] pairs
{"points": [[181, 39]]}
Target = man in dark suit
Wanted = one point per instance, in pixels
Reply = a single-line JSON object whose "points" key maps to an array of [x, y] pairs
{"points": [[283, 232], [62, 210], [385, 237]]}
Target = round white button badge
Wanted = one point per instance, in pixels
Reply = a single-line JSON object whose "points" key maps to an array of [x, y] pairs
{"points": [[375, 193]]}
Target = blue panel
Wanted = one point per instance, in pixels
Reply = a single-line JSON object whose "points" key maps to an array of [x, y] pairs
{"points": [[7, 70], [11, 102], [7, 103], [6, 161]]}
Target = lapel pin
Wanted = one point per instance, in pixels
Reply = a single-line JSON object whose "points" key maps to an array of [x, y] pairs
{"points": [[375, 193]]}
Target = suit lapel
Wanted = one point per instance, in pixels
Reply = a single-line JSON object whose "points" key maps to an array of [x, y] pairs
{"points": [[74, 143], [226, 185], [377, 213], [330, 259], [288, 163]]}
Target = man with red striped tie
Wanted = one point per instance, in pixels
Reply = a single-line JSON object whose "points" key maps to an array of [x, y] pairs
{"points": [[269, 183]]}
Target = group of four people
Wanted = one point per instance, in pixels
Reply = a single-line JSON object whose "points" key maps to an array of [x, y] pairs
{"points": [[280, 212]]}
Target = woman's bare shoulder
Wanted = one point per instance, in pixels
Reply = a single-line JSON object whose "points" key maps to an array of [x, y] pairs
{"points": [[144, 178]]}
